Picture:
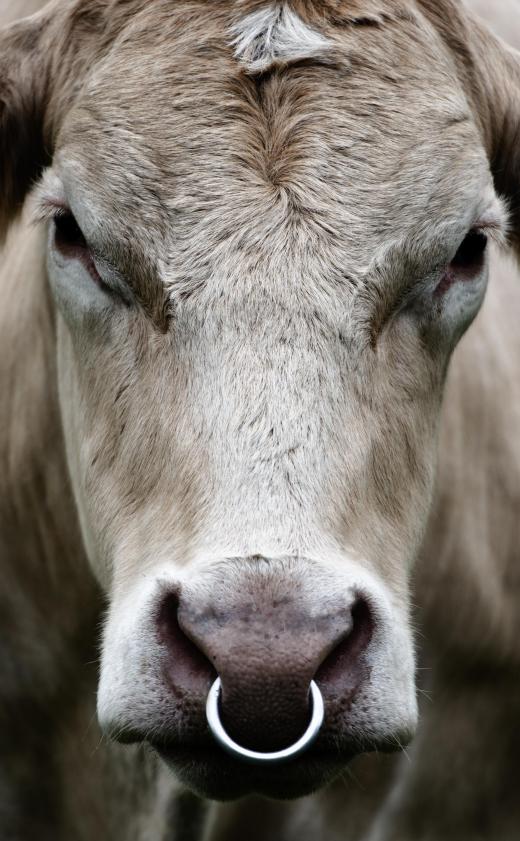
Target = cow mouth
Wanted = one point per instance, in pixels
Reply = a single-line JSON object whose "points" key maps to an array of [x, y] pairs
{"points": [[210, 772]]}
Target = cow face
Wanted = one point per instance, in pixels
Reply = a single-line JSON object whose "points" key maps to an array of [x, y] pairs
{"points": [[268, 229]]}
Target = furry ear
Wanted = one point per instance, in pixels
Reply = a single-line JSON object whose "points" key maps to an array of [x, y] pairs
{"points": [[496, 95], [43, 63], [23, 98], [490, 73]]}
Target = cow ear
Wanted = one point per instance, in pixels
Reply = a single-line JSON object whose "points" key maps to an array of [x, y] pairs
{"points": [[44, 60], [24, 85], [490, 72], [495, 91]]}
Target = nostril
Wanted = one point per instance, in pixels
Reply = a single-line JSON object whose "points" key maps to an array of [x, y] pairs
{"points": [[345, 668], [187, 666]]}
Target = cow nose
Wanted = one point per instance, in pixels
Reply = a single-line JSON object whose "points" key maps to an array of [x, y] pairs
{"points": [[266, 653]]}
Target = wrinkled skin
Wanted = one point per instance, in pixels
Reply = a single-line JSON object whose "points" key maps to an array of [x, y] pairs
{"points": [[251, 359]]}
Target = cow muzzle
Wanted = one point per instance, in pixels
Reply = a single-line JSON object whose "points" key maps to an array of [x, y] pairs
{"points": [[314, 665], [272, 658]]}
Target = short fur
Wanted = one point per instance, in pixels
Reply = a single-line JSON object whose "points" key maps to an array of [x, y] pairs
{"points": [[257, 240]]}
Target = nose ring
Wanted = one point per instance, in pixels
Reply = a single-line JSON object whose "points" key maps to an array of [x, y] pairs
{"points": [[258, 757]]}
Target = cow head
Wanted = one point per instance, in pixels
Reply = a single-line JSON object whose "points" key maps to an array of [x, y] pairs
{"points": [[267, 230]]}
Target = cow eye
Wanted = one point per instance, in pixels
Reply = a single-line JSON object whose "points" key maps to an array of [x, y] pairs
{"points": [[470, 255], [468, 262], [68, 234], [70, 242]]}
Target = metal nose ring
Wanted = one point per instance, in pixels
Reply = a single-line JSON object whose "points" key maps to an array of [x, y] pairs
{"points": [[216, 727]]}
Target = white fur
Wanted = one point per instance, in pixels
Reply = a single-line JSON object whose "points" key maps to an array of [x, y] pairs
{"points": [[275, 34]]}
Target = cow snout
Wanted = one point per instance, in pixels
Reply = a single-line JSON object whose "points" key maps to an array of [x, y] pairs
{"points": [[266, 650]]}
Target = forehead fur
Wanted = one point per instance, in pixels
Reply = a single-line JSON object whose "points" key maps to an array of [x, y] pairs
{"points": [[310, 168]]}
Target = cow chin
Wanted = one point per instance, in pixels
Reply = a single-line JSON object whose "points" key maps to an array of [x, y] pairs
{"points": [[218, 777], [267, 630], [209, 772]]}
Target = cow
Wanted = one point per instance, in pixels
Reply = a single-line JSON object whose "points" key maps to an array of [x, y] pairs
{"points": [[259, 420]]}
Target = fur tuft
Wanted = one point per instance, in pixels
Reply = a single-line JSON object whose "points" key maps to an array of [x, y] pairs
{"points": [[275, 34]]}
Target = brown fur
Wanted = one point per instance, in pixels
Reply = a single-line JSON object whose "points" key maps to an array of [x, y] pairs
{"points": [[463, 760]]}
